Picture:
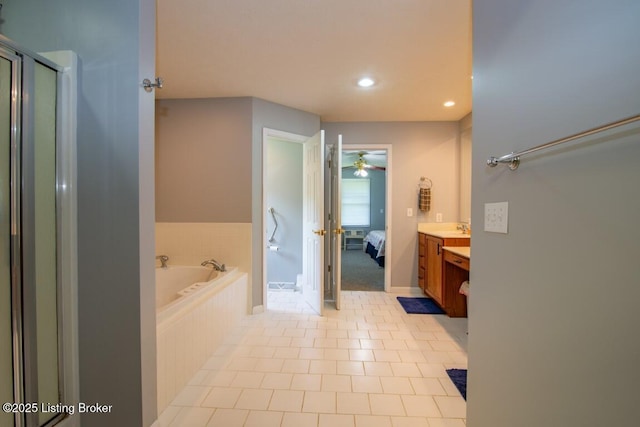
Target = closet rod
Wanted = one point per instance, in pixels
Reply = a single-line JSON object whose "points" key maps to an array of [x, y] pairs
{"points": [[514, 158]]}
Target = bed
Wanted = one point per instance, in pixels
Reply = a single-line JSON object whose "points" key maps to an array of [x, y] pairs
{"points": [[375, 245]]}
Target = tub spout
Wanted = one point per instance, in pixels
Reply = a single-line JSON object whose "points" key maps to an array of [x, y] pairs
{"points": [[216, 265], [163, 260]]}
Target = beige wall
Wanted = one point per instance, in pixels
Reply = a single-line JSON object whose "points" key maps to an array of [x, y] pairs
{"points": [[466, 134], [203, 160], [429, 149]]}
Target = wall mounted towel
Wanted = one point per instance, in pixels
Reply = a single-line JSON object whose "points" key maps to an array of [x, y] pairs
{"points": [[424, 195]]}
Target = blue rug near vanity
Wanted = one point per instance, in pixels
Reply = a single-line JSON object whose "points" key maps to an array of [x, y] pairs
{"points": [[459, 379], [419, 305]]}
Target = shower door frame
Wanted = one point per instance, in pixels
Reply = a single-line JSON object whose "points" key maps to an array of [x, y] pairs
{"points": [[24, 347]]}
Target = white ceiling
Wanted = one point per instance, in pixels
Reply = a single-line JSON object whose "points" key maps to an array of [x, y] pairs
{"points": [[308, 54]]}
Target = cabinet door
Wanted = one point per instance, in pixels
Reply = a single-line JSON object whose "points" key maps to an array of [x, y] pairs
{"points": [[434, 269], [422, 261]]}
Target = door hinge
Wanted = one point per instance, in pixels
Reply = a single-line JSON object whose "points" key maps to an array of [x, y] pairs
{"points": [[329, 268]]}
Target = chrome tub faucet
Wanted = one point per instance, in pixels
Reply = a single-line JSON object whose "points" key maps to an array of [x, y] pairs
{"points": [[216, 265], [163, 260]]}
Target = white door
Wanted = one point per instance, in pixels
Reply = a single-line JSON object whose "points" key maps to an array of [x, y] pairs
{"points": [[314, 231], [336, 209]]}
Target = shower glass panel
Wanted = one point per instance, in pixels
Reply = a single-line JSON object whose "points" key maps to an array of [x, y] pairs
{"points": [[6, 345], [30, 292], [45, 237]]}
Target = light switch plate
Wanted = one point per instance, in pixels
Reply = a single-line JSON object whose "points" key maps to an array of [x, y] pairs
{"points": [[409, 212], [496, 217]]}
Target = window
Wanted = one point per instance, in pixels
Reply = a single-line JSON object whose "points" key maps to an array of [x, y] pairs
{"points": [[356, 201]]}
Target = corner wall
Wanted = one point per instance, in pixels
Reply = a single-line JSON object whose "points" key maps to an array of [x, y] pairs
{"points": [[553, 310]]}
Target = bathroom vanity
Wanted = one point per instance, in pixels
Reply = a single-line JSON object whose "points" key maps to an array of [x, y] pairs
{"points": [[435, 278], [455, 272]]}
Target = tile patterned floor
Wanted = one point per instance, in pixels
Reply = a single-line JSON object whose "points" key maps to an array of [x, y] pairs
{"points": [[367, 365]]}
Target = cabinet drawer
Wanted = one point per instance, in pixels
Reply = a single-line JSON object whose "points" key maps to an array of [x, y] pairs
{"points": [[457, 260]]}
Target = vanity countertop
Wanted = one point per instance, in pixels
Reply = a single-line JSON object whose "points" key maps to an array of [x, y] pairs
{"points": [[442, 230], [463, 251]]}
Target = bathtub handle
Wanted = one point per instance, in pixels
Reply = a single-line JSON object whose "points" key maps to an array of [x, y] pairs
{"points": [[275, 221]]}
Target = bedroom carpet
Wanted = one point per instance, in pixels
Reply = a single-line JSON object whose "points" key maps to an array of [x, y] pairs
{"points": [[360, 272]]}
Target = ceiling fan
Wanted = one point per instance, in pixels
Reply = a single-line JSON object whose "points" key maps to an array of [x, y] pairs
{"points": [[361, 165]]}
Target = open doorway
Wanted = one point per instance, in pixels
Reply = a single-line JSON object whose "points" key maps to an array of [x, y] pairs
{"points": [[365, 217], [283, 220]]}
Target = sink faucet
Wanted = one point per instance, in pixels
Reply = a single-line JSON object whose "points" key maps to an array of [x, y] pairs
{"points": [[216, 265], [464, 228], [163, 260]]}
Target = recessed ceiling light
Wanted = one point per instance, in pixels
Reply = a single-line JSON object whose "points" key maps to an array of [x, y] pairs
{"points": [[449, 104], [366, 82]]}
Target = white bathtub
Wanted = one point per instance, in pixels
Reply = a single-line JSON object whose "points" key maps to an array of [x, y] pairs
{"points": [[197, 308], [177, 281]]}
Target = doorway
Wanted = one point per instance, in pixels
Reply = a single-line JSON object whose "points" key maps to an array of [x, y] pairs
{"points": [[366, 187], [282, 202]]}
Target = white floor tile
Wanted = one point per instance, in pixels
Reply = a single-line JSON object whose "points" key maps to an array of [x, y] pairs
{"points": [[367, 365], [293, 419], [254, 399], [264, 419], [339, 383], [192, 416], [310, 382], [319, 402], [228, 418], [366, 384], [451, 407], [410, 422], [336, 420], [277, 381], [420, 406], [222, 397], [286, 401], [247, 380], [395, 385], [373, 421], [353, 403]]}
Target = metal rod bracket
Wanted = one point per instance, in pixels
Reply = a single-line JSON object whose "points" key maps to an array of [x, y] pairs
{"points": [[148, 85]]}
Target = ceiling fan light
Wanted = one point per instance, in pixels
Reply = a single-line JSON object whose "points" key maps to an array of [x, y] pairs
{"points": [[366, 82]]}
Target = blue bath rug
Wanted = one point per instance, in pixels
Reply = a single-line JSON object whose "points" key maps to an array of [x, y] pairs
{"points": [[419, 305], [459, 378]]}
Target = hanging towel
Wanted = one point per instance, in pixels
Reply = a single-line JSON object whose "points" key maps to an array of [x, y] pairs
{"points": [[424, 200]]}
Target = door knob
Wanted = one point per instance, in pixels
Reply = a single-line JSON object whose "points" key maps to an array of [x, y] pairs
{"points": [[320, 232], [338, 230]]}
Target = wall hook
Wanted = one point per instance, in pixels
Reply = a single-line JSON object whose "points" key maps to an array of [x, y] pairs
{"points": [[148, 86]]}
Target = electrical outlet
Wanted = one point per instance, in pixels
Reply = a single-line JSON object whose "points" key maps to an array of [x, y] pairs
{"points": [[438, 217], [496, 217]]}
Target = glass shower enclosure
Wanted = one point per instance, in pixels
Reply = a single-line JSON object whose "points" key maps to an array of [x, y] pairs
{"points": [[30, 326]]}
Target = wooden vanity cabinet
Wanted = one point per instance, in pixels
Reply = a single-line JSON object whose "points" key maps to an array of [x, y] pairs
{"points": [[431, 265], [422, 261], [456, 271]]}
